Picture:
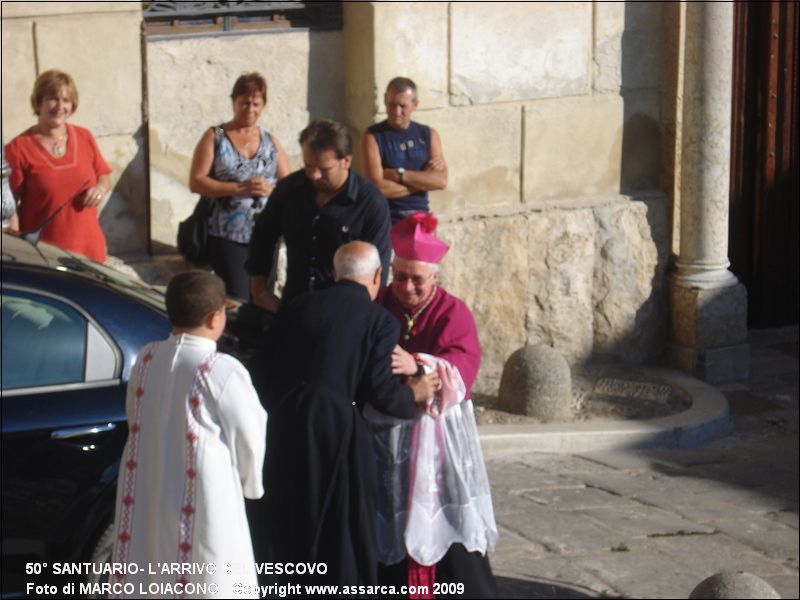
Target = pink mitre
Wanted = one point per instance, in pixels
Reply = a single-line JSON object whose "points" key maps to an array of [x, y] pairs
{"points": [[413, 239]]}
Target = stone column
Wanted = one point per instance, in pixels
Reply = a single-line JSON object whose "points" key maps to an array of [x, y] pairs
{"points": [[708, 304]]}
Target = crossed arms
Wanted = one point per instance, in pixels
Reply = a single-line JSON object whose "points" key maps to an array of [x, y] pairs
{"points": [[432, 177]]}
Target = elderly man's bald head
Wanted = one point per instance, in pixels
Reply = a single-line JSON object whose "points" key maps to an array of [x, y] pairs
{"points": [[356, 259], [359, 261]]}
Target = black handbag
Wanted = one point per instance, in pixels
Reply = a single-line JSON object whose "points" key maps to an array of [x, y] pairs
{"points": [[193, 232]]}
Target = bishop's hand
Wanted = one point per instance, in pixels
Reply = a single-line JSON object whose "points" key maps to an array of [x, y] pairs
{"points": [[403, 363]]}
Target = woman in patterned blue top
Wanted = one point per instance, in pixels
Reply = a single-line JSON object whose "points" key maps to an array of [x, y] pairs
{"points": [[238, 164]]}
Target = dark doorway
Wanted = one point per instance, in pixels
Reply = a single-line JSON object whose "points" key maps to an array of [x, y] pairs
{"points": [[764, 192]]}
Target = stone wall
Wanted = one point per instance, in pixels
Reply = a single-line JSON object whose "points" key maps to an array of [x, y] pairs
{"points": [[585, 280], [557, 120], [98, 44], [551, 119], [189, 87]]}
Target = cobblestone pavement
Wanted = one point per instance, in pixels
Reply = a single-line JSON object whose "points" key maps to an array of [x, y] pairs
{"points": [[654, 523]]}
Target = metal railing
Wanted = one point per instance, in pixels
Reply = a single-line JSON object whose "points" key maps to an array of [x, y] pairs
{"points": [[182, 18]]}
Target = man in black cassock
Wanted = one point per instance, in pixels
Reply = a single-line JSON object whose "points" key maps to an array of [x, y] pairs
{"points": [[329, 352]]}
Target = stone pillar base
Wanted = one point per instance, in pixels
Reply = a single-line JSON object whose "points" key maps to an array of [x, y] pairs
{"points": [[713, 365], [709, 331]]}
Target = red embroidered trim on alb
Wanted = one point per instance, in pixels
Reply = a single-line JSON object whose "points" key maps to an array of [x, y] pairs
{"points": [[188, 507], [129, 464]]}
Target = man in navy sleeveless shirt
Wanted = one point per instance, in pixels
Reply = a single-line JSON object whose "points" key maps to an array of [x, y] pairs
{"points": [[402, 157]]}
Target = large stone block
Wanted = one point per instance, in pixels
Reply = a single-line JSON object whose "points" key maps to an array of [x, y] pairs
{"points": [[102, 54], [642, 141], [629, 295], [487, 267], [170, 203], [609, 25], [644, 17], [641, 57], [190, 81], [708, 318], [166, 158], [709, 330], [715, 365], [627, 45], [628, 60], [608, 65], [360, 93], [609, 20], [505, 51], [42, 9], [561, 255], [413, 43], [573, 148], [482, 148], [19, 73], [580, 280], [124, 216]]}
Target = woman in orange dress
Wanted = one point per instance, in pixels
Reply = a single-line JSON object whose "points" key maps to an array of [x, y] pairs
{"points": [[58, 175]]}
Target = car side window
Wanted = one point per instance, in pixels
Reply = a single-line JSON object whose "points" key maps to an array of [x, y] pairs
{"points": [[44, 341]]}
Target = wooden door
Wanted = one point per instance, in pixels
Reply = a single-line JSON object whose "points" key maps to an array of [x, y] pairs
{"points": [[764, 174]]}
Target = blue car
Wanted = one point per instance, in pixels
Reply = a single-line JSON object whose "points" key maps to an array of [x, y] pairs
{"points": [[71, 330]]}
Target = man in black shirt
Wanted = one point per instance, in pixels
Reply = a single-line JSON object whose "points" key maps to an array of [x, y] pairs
{"points": [[316, 210]]}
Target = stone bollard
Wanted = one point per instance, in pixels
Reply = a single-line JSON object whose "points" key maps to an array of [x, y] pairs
{"points": [[733, 584], [537, 382]]}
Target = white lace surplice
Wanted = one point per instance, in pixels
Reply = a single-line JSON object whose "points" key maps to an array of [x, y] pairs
{"points": [[433, 487]]}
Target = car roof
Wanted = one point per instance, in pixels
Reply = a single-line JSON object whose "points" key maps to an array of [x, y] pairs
{"points": [[21, 251], [21, 255], [43, 258]]}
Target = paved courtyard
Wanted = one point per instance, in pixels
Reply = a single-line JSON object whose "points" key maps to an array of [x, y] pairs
{"points": [[654, 523]]}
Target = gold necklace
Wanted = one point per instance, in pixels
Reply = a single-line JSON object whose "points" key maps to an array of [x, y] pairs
{"points": [[411, 320]]}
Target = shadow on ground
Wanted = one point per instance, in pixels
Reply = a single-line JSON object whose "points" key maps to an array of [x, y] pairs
{"points": [[760, 453]]}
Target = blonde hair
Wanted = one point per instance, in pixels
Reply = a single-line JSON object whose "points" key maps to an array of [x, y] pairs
{"points": [[50, 83]]}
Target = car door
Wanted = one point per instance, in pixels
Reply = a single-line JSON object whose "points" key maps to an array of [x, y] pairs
{"points": [[63, 426]]}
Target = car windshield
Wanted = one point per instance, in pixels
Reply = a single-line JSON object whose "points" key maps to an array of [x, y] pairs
{"points": [[117, 280]]}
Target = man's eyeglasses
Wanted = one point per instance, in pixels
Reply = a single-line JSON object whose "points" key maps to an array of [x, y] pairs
{"points": [[415, 279]]}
